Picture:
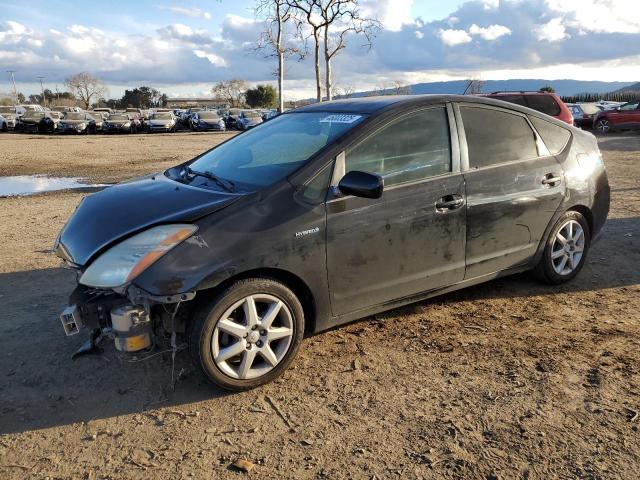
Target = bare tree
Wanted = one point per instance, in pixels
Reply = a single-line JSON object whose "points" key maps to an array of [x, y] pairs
{"points": [[400, 89], [85, 87], [345, 91], [232, 91], [341, 18], [473, 86], [277, 13], [311, 13]]}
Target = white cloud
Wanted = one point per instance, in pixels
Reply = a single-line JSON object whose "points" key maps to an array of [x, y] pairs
{"points": [[212, 57], [552, 31], [605, 16], [392, 13], [419, 34], [192, 12], [490, 4], [491, 32], [453, 37]]}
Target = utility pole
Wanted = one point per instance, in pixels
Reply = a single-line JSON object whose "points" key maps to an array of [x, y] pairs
{"points": [[15, 90], [41, 78]]}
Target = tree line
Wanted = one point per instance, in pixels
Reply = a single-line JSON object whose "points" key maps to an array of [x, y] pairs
{"points": [[595, 97]]}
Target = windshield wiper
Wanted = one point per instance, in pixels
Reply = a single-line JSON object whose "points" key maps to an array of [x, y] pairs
{"points": [[228, 185]]}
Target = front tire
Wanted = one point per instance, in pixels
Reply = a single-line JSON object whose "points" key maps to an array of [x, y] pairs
{"points": [[248, 334], [566, 249]]}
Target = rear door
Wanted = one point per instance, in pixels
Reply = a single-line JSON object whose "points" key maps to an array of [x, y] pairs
{"points": [[514, 186], [412, 238]]}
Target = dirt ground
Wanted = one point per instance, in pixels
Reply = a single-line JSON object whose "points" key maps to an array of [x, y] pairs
{"points": [[510, 379]]}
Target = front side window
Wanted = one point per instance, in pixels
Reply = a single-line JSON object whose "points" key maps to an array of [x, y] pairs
{"points": [[412, 148], [629, 106], [495, 136], [264, 155]]}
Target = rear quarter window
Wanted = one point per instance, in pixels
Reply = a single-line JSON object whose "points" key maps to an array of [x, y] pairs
{"points": [[544, 103], [554, 137]]}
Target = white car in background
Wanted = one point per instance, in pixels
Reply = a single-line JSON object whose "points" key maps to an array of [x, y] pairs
{"points": [[9, 118], [248, 119]]}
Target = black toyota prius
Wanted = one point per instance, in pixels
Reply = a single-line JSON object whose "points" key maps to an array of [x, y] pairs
{"points": [[326, 214]]}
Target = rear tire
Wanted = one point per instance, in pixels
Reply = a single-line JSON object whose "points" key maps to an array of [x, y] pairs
{"points": [[603, 126], [566, 249], [265, 347]]}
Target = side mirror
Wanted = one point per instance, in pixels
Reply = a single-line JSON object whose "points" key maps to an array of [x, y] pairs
{"points": [[361, 184]]}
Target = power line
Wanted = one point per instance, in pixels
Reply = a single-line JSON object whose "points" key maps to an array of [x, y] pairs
{"points": [[15, 90], [41, 78]]}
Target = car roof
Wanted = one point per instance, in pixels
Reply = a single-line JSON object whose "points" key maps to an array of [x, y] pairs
{"points": [[369, 105]]}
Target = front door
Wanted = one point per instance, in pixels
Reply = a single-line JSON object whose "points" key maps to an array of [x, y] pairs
{"points": [[410, 240]]}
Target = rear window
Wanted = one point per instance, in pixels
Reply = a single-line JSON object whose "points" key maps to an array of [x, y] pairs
{"points": [[495, 136], [544, 103], [517, 99], [553, 136]]}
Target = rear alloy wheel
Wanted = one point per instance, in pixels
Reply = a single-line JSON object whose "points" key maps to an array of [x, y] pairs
{"points": [[566, 249], [248, 335], [603, 126]]}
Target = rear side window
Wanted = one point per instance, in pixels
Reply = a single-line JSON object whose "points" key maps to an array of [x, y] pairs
{"points": [[495, 136], [544, 103], [554, 137], [411, 148]]}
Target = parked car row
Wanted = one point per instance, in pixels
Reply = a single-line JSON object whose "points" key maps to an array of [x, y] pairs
{"points": [[603, 116]]}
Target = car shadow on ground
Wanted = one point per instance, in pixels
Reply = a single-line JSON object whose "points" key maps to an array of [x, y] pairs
{"points": [[41, 387]]}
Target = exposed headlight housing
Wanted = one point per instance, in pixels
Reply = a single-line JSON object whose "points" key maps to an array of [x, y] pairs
{"points": [[128, 124], [81, 126], [122, 263]]}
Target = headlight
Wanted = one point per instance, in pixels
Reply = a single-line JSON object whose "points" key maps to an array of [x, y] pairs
{"points": [[82, 126], [125, 261], [128, 124]]}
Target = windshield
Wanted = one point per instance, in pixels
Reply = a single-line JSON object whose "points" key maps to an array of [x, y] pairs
{"points": [[251, 114], [161, 116], [118, 118], [270, 152], [32, 114], [74, 116]]}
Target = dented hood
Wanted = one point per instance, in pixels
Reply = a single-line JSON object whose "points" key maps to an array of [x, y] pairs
{"points": [[106, 217]]}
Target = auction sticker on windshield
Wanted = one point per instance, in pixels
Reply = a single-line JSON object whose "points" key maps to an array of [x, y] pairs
{"points": [[340, 118]]}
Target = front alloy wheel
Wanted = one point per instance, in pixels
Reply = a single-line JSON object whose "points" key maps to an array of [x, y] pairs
{"points": [[248, 334]]}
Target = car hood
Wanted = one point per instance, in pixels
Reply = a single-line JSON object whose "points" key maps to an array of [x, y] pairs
{"points": [[73, 122], [119, 211], [159, 123], [117, 122]]}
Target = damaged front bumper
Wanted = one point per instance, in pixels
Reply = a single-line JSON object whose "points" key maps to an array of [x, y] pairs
{"points": [[133, 318]]}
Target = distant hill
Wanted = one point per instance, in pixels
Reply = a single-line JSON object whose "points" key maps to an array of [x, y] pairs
{"points": [[562, 87], [629, 88]]}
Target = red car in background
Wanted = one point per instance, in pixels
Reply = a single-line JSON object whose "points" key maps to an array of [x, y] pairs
{"points": [[545, 102], [625, 117]]}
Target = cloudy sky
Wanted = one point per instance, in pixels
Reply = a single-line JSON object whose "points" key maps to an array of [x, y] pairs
{"points": [[184, 47]]}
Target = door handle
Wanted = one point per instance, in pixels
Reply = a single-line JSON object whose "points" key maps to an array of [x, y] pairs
{"points": [[449, 202], [551, 180]]}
